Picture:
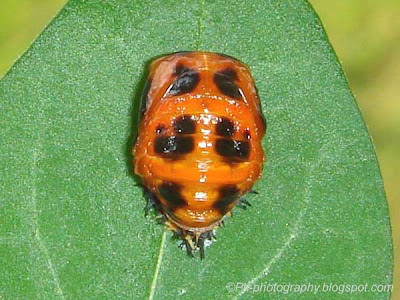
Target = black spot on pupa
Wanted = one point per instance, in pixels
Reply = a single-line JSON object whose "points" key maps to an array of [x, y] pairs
{"points": [[160, 128], [144, 100], [186, 81], [227, 195], [225, 127], [230, 73], [173, 146], [171, 192], [180, 69], [185, 125], [233, 150], [225, 81], [246, 134]]}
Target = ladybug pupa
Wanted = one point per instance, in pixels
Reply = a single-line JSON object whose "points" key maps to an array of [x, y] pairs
{"points": [[198, 150]]}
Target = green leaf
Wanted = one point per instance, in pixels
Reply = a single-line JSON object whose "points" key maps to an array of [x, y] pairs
{"points": [[72, 222]]}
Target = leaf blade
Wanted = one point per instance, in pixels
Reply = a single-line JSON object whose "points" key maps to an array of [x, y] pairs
{"points": [[68, 108]]}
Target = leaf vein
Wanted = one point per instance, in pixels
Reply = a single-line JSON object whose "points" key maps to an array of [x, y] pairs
{"points": [[37, 234], [200, 25], [294, 233], [158, 266]]}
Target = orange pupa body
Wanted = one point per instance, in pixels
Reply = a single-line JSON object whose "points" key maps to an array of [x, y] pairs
{"points": [[198, 149]]}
